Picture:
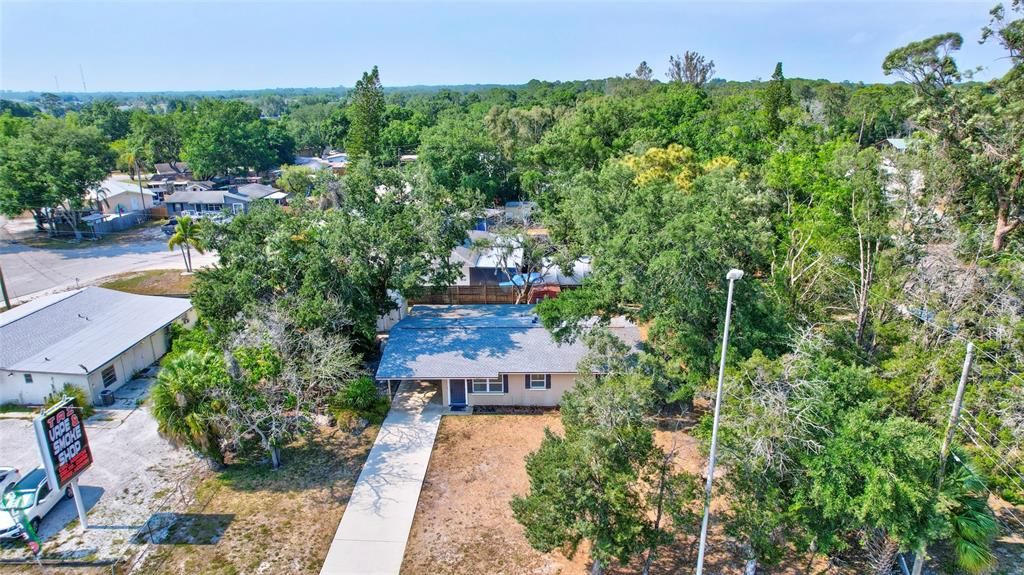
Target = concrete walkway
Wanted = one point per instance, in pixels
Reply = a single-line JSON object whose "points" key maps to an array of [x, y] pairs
{"points": [[375, 528]]}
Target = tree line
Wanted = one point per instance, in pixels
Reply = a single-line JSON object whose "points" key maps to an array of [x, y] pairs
{"points": [[869, 263]]}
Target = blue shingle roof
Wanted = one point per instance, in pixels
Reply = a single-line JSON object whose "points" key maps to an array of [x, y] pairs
{"points": [[437, 342]]}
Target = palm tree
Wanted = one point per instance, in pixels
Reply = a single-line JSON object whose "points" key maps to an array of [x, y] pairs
{"points": [[186, 237], [181, 403], [130, 153], [974, 527]]}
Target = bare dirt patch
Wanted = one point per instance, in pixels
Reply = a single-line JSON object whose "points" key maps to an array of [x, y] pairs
{"points": [[464, 524], [463, 521], [252, 519]]}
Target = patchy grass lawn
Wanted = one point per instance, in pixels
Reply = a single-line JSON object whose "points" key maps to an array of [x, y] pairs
{"points": [[252, 519], [464, 524], [151, 282]]}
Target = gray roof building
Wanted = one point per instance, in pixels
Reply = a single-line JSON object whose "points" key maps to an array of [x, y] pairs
{"points": [[440, 342], [206, 197], [79, 331]]}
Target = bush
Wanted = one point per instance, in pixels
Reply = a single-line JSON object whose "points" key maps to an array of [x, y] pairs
{"points": [[81, 399], [360, 398]]}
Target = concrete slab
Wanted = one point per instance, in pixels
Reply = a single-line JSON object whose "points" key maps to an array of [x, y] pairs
{"points": [[371, 537]]}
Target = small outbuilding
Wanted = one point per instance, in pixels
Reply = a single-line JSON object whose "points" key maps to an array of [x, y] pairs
{"points": [[93, 338]]}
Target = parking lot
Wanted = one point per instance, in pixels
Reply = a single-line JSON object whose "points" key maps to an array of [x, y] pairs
{"points": [[134, 472]]}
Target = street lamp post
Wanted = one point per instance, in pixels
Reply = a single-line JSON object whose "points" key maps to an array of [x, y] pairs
{"points": [[732, 276]]}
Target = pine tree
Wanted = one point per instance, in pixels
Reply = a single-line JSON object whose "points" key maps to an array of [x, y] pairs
{"points": [[777, 96], [367, 116]]}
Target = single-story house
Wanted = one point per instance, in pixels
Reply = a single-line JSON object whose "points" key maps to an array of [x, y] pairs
{"points": [[169, 178], [486, 354], [492, 266], [258, 191], [206, 201], [115, 196], [92, 338]]}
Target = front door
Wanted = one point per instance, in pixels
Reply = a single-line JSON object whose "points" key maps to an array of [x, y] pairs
{"points": [[456, 392]]}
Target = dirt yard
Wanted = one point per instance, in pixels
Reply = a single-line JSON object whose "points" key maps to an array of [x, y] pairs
{"points": [[252, 519], [464, 524]]}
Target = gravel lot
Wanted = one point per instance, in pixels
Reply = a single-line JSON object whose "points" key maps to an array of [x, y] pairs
{"points": [[134, 470]]}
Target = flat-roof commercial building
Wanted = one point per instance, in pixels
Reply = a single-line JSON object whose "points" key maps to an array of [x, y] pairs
{"points": [[93, 338]]}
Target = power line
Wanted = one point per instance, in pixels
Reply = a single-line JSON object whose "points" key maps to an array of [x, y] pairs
{"points": [[944, 329], [975, 437]]}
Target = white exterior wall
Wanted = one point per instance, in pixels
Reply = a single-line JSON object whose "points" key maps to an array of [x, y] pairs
{"points": [[517, 394], [13, 388]]}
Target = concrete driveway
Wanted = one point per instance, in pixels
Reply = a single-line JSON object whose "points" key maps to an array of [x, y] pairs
{"points": [[31, 272], [134, 468], [375, 528]]}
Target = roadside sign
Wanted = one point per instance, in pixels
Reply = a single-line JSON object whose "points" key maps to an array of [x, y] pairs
{"points": [[63, 445]]}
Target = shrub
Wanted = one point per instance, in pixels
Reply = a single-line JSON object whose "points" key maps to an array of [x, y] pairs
{"points": [[361, 398], [81, 399]]}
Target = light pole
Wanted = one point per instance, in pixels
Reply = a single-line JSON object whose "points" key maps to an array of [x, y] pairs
{"points": [[732, 276]]}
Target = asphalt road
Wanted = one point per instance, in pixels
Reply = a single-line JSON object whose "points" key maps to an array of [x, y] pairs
{"points": [[31, 272]]}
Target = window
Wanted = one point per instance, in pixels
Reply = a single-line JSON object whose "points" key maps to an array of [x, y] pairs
{"points": [[536, 381], [43, 491], [109, 376], [488, 385], [28, 378]]}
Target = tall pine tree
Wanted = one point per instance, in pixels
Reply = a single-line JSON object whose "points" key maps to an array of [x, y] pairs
{"points": [[366, 113], [776, 97]]}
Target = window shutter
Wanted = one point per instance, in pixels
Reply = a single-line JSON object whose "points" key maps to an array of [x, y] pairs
{"points": [[469, 385], [504, 383], [526, 381], [547, 381]]}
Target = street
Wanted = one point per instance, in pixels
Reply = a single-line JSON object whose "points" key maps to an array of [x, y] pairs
{"points": [[31, 272]]}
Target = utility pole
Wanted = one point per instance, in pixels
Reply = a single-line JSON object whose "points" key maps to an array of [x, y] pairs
{"points": [[732, 276], [947, 442], [3, 288]]}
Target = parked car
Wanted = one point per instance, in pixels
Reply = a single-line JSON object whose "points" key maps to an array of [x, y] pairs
{"points": [[8, 477], [33, 497], [169, 227]]}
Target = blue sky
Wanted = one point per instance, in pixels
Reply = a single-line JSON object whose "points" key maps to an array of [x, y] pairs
{"points": [[143, 45]]}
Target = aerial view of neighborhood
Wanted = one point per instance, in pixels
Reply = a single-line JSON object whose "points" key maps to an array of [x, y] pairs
{"points": [[507, 287]]}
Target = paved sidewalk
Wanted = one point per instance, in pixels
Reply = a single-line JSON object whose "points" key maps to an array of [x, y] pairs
{"points": [[375, 528]]}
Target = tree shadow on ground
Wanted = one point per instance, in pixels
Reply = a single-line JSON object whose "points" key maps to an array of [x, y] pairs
{"points": [[330, 458], [184, 529]]}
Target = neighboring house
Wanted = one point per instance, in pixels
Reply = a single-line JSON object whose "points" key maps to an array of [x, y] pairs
{"points": [[118, 197], [201, 198], [489, 266], [92, 338], [481, 266], [177, 168], [206, 201], [486, 354], [169, 178], [898, 144], [520, 212], [259, 192], [338, 162], [312, 162]]}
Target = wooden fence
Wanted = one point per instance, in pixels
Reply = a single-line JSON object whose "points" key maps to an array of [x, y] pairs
{"points": [[466, 295], [458, 295]]}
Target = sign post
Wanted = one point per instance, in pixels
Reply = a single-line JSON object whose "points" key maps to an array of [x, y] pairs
{"points": [[64, 448]]}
